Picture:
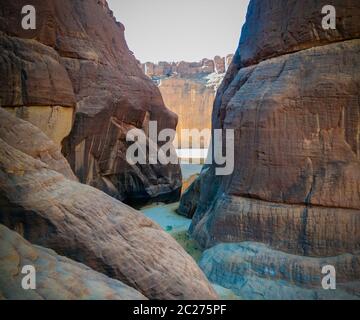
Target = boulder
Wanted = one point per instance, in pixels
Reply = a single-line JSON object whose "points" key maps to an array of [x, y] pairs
{"points": [[56, 277], [253, 271]]}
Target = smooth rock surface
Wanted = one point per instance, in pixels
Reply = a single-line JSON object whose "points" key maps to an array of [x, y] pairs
{"points": [[88, 226], [56, 278], [192, 100], [54, 121], [30, 140]]}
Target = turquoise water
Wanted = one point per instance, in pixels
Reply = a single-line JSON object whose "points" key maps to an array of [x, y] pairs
{"points": [[177, 226], [166, 217], [165, 214]]}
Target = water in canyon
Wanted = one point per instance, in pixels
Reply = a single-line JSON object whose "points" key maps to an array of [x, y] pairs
{"points": [[176, 225]]}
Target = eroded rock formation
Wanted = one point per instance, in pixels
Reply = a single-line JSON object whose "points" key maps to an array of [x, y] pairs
{"points": [[33, 142], [88, 226], [188, 89], [256, 272], [292, 97], [57, 277], [34, 84], [77, 61]]}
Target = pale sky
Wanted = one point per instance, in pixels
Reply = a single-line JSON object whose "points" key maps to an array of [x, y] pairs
{"points": [[175, 30]]}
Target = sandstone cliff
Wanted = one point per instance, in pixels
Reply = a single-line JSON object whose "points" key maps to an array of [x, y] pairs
{"points": [[292, 97], [188, 89], [88, 226], [75, 72]]}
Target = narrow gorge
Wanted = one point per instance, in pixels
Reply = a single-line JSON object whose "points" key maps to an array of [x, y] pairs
{"points": [[189, 89], [96, 226]]}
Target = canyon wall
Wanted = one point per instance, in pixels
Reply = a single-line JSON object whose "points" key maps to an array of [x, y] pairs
{"points": [[188, 89], [291, 96], [74, 77]]}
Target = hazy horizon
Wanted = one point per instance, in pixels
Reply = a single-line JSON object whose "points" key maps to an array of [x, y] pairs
{"points": [[169, 30]]}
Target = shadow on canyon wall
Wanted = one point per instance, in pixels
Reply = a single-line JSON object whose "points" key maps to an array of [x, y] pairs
{"points": [[292, 204]]}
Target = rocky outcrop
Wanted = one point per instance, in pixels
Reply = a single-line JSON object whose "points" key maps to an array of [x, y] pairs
{"points": [[291, 96], [256, 272], [57, 277], [88, 226], [188, 89], [78, 58]]}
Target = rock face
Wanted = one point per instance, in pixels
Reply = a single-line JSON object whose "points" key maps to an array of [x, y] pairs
{"points": [[190, 199], [291, 96], [188, 89], [278, 27], [57, 277], [31, 141], [255, 271], [88, 226], [34, 84], [55, 121], [78, 58]]}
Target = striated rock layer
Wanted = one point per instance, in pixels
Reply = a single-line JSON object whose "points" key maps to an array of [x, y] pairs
{"points": [[34, 84], [57, 277], [292, 98], [256, 272], [88, 226], [77, 58], [188, 89]]}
